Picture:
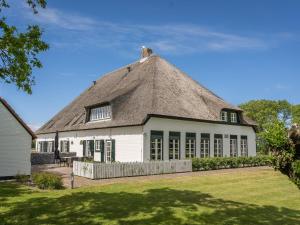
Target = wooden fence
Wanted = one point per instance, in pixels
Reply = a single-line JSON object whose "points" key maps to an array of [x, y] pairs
{"points": [[95, 170]]}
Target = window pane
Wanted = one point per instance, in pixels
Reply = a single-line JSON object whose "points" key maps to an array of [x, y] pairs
{"points": [[100, 113]]}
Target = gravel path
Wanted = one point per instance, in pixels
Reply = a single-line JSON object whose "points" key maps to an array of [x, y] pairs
{"points": [[82, 182]]}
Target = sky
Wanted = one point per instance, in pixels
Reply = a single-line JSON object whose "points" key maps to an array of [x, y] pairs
{"points": [[241, 50]]}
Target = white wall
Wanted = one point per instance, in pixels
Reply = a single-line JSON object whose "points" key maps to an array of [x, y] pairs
{"points": [[128, 141], [133, 143], [166, 125], [15, 145]]}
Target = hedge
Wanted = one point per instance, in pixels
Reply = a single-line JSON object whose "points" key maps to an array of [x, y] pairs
{"points": [[230, 162], [44, 180]]}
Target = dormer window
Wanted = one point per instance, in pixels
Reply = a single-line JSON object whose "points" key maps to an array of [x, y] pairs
{"points": [[100, 113], [229, 116], [224, 116], [233, 117]]}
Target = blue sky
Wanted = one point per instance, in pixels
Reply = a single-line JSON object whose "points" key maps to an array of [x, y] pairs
{"points": [[241, 50]]}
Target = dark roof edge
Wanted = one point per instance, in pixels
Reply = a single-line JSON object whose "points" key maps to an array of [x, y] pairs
{"points": [[156, 116], [194, 119], [17, 117]]}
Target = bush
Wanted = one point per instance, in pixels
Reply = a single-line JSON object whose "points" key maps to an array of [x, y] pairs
{"points": [[282, 160], [296, 172], [45, 180], [229, 162], [21, 178]]}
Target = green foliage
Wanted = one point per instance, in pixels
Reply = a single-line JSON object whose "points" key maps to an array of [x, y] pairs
{"points": [[282, 160], [296, 114], [21, 178], [267, 111], [275, 136], [44, 180], [229, 162], [296, 172], [19, 50]]}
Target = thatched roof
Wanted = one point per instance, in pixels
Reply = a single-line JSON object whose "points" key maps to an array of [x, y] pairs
{"points": [[147, 87]]}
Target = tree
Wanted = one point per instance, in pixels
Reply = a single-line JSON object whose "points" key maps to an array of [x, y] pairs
{"points": [[267, 111], [19, 50], [296, 114], [275, 135]]}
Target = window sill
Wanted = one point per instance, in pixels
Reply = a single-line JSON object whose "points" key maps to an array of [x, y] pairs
{"points": [[97, 121]]}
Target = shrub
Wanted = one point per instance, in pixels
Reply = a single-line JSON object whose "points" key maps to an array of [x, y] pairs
{"points": [[229, 162], [44, 180], [282, 160], [21, 178], [296, 172]]}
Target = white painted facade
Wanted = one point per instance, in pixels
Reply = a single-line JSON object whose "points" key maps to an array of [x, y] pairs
{"points": [[132, 144], [15, 145], [128, 140], [167, 125]]}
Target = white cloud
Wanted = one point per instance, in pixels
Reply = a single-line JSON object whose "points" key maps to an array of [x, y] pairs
{"points": [[77, 31], [60, 19], [281, 87]]}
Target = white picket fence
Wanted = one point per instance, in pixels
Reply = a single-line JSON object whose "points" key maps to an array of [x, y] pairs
{"points": [[95, 170]]}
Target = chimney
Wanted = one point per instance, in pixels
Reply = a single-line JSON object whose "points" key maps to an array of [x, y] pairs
{"points": [[146, 52]]}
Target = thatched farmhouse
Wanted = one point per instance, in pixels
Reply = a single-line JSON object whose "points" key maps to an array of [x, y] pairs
{"points": [[15, 143], [149, 110]]}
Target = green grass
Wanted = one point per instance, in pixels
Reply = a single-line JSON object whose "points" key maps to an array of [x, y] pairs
{"points": [[251, 197]]}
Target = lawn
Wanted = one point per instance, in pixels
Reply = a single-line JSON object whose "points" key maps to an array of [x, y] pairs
{"points": [[249, 197]]}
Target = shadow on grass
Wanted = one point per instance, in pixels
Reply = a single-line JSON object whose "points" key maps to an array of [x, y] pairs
{"points": [[12, 189], [155, 206]]}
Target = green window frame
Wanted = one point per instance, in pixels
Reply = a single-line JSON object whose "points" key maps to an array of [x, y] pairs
{"points": [[190, 145], [156, 145], [174, 145], [205, 145], [244, 146], [218, 145], [233, 146]]}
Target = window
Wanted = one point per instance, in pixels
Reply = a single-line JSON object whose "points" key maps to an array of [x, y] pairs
{"points": [[156, 146], [46, 146], [218, 145], [174, 145], [233, 117], [50, 147], [64, 146], [224, 116], [190, 145], [204, 145], [100, 113], [244, 146], [108, 151], [97, 146], [233, 146], [88, 148]]}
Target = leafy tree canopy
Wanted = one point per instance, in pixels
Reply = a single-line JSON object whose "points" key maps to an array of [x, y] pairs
{"points": [[268, 111], [19, 50], [296, 114], [275, 135]]}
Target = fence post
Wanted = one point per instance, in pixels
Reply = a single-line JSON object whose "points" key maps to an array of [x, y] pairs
{"points": [[72, 180]]}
